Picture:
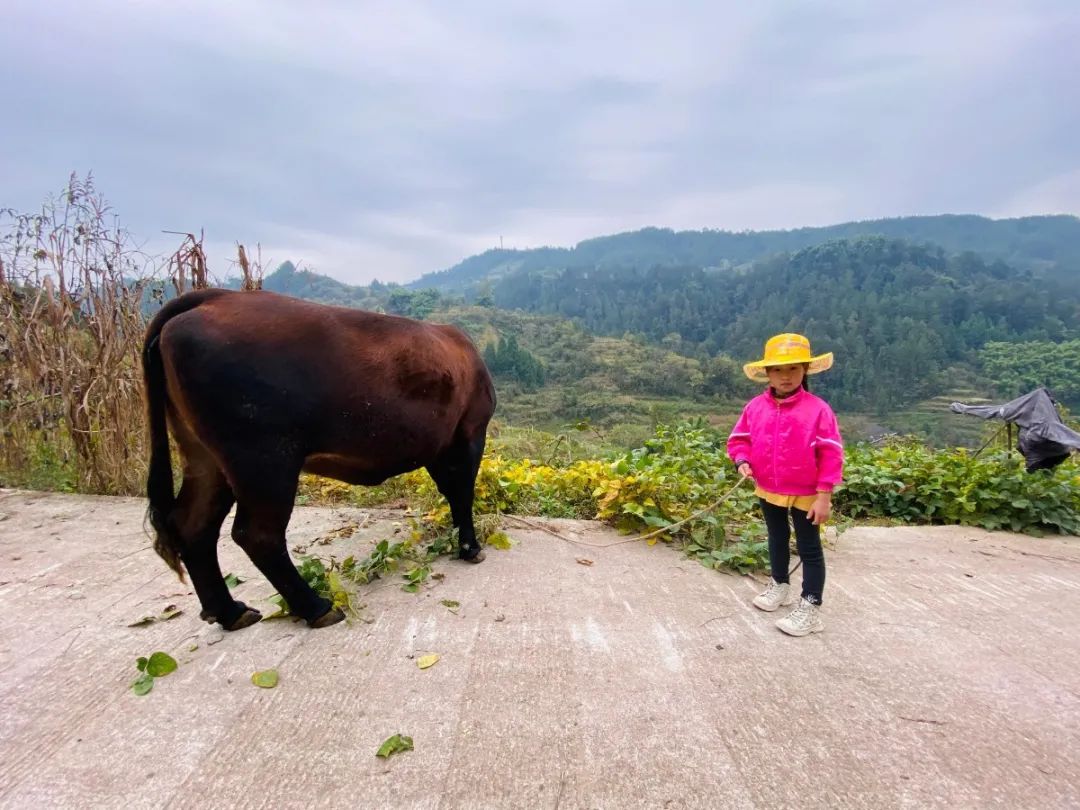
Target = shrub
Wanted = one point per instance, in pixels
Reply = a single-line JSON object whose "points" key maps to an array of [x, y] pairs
{"points": [[905, 480]]}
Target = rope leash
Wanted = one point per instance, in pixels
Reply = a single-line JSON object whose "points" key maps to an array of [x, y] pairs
{"points": [[698, 513], [655, 533]]}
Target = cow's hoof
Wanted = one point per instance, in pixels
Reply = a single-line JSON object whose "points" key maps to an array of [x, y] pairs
{"points": [[478, 557], [246, 618], [249, 617], [332, 616]]}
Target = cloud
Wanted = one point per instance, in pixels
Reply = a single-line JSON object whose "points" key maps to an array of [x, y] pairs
{"points": [[392, 139]]}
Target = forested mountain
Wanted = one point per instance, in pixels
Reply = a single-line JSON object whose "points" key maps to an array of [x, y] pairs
{"points": [[897, 314], [1049, 245], [288, 280], [905, 320]]}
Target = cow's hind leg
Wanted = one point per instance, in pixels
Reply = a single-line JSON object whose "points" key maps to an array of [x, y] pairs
{"points": [[204, 500], [454, 473], [262, 515]]}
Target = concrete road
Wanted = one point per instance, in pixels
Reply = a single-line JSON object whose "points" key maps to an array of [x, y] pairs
{"points": [[948, 676]]}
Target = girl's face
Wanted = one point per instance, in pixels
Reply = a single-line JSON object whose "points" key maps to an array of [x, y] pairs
{"points": [[786, 380]]}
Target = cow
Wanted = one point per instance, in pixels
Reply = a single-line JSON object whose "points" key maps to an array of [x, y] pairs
{"points": [[258, 387]]}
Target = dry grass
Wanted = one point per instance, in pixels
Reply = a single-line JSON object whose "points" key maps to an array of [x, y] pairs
{"points": [[71, 288], [75, 296], [186, 268], [251, 273]]}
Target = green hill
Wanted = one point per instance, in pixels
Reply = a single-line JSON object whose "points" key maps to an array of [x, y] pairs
{"points": [[1049, 245], [905, 320], [898, 315], [289, 280]]}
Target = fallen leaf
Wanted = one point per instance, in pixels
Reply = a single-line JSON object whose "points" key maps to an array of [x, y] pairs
{"points": [[232, 580], [282, 607], [160, 664], [584, 561], [394, 745], [425, 661], [143, 684], [451, 604], [170, 612], [498, 540], [266, 678], [343, 532]]}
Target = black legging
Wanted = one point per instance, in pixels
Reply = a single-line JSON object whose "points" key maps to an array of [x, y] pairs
{"points": [[808, 542]]}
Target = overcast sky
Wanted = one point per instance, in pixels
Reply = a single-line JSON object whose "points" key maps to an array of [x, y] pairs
{"points": [[386, 140]]}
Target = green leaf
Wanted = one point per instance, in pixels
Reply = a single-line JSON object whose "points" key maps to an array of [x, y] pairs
{"points": [[143, 684], [451, 604], [160, 664], [232, 580], [395, 745], [278, 601], [411, 587], [499, 540], [265, 678], [141, 662]]}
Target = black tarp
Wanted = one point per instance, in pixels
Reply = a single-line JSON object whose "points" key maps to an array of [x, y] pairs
{"points": [[1044, 440]]}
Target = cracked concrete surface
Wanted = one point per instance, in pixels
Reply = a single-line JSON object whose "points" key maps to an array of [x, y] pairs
{"points": [[948, 676]]}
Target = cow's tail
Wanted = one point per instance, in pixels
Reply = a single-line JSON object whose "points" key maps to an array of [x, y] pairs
{"points": [[159, 480]]}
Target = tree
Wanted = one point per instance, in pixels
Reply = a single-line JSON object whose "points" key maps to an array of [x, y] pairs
{"points": [[485, 296], [413, 304], [1017, 368], [507, 360]]}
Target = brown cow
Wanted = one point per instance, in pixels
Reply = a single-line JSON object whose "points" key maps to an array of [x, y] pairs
{"points": [[258, 387]]}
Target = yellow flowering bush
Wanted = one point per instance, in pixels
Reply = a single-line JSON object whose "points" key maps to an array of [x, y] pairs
{"points": [[683, 469]]}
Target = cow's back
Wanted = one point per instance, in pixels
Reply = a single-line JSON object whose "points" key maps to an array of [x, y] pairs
{"points": [[259, 368]]}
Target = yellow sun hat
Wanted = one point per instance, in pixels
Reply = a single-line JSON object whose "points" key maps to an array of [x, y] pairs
{"points": [[785, 350]]}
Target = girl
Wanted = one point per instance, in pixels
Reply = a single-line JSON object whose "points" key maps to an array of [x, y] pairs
{"points": [[787, 440]]}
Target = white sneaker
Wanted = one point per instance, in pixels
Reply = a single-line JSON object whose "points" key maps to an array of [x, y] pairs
{"points": [[803, 620], [778, 594]]}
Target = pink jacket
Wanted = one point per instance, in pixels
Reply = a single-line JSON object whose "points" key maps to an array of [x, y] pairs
{"points": [[793, 445]]}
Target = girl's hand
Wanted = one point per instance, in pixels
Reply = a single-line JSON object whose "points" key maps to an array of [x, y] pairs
{"points": [[745, 471], [821, 510]]}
